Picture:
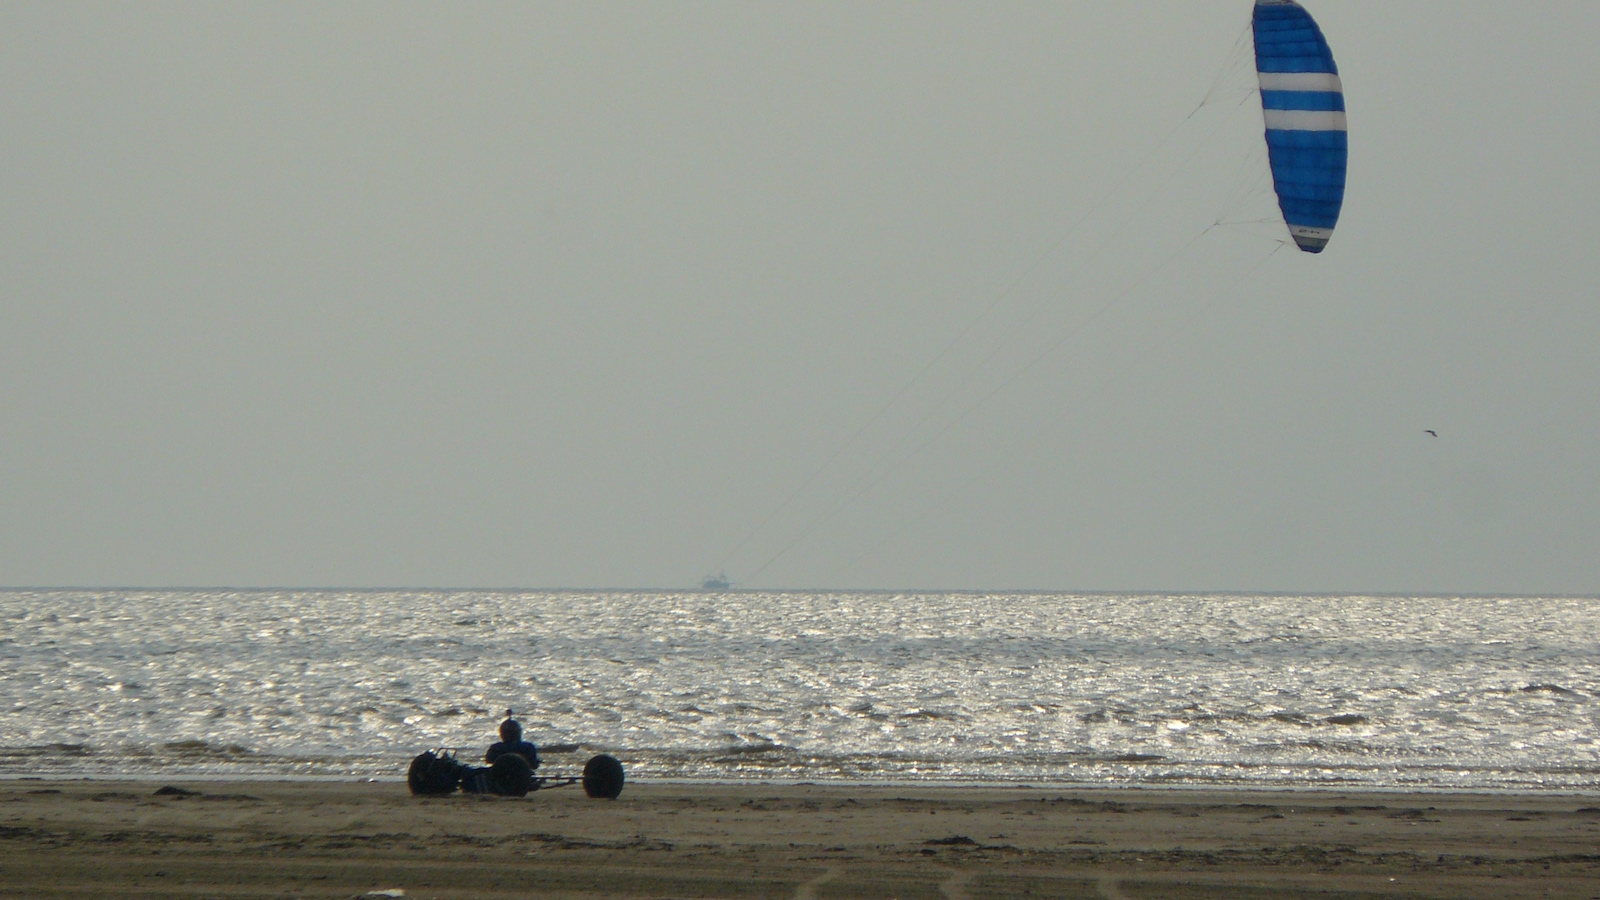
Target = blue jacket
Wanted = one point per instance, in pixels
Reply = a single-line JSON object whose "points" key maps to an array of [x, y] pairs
{"points": [[526, 748]]}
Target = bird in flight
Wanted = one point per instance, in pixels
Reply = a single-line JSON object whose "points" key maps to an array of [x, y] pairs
{"points": [[1431, 431]]}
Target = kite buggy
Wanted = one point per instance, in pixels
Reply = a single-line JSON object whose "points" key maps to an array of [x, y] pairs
{"points": [[509, 773]]}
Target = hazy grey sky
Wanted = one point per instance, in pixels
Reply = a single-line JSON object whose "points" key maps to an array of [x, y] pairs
{"points": [[579, 294]]}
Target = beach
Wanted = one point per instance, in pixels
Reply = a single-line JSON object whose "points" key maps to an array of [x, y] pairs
{"points": [[113, 838]]}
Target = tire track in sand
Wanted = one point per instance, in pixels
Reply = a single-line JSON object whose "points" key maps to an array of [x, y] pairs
{"points": [[1107, 888], [955, 887], [808, 890]]}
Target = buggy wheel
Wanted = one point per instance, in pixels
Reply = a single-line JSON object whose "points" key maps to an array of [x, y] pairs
{"points": [[602, 777], [431, 775], [510, 775]]}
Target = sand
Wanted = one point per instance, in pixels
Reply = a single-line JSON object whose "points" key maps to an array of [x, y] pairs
{"points": [[251, 839]]}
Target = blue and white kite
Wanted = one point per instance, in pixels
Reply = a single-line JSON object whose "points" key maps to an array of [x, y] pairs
{"points": [[1303, 103]]}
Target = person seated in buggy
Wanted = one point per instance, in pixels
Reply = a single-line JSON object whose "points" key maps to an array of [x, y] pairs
{"points": [[511, 742], [511, 763]]}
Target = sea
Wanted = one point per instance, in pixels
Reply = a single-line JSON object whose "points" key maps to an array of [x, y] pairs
{"points": [[1150, 690]]}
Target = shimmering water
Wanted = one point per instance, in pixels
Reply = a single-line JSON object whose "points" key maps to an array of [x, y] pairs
{"points": [[1206, 690]]}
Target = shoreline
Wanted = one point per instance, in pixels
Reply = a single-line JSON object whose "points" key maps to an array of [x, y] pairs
{"points": [[249, 838], [1070, 786], [399, 778]]}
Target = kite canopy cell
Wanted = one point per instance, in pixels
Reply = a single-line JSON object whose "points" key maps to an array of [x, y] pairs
{"points": [[1302, 101]]}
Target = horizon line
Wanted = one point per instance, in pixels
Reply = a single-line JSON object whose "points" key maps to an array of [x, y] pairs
{"points": [[1101, 592]]}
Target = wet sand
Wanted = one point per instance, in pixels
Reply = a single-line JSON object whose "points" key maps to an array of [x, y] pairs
{"points": [[122, 839]]}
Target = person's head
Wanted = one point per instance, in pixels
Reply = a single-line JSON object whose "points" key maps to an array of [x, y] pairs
{"points": [[511, 731]]}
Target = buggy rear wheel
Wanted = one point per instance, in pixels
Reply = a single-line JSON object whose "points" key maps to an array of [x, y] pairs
{"points": [[511, 776]]}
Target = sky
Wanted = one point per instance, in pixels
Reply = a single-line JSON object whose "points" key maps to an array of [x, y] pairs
{"points": [[824, 296]]}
